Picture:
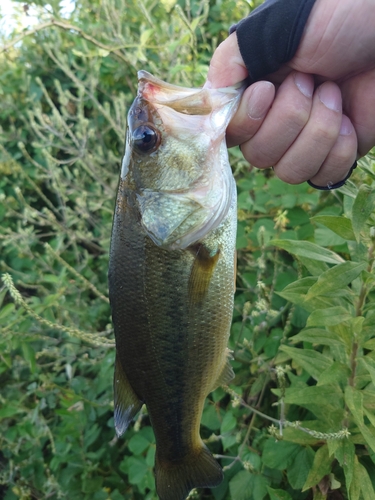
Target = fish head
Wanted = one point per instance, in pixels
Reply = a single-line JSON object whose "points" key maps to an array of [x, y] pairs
{"points": [[176, 160]]}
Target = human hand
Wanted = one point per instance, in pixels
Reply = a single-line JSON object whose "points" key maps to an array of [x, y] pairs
{"points": [[296, 123]]}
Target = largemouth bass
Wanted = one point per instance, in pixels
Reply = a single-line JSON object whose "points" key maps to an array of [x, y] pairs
{"points": [[172, 273]]}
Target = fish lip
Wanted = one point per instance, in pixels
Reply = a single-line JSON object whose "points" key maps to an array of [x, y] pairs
{"points": [[190, 101], [148, 77]]}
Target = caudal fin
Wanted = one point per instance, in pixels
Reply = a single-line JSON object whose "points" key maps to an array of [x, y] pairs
{"points": [[174, 480]]}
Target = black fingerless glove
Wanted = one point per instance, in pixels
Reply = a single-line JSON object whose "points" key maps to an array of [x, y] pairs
{"points": [[270, 35]]}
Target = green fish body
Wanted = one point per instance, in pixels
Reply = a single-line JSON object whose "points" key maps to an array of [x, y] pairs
{"points": [[172, 273]]}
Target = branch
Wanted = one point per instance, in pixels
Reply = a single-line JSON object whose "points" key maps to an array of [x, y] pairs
{"points": [[68, 27], [91, 338]]}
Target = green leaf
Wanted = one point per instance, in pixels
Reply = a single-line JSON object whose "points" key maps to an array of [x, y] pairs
{"points": [[363, 207], [320, 468], [309, 250], [344, 454], [6, 310], [279, 454], [333, 444], [136, 469], [51, 278], [29, 356], [370, 345], [361, 483], [355, 485], [91, 435], [210, 418], [365, 481], [150, 457], [195, 23], [368, 363], [168, 4], [278, 494], [298, 471], [229, 422], [138, 444], [330, 316], [8, 410], [259, 487], [354, 402], [295, 292], [294, 435], [370, 415], [337, 373], [253, 458], [312, 361], [327, 238], [145, 35], [318, 336], [339, 225], [315, 267], [337, 277], [241, 485], [91, 484], [318, 395]]}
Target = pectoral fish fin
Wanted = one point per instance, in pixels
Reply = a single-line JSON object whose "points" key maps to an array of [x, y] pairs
{"points": [[226, 374], [201, 272], [174, 480], [127, 403]]}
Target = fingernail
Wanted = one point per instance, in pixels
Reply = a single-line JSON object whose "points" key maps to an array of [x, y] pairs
{"points": [[330, 97], [346, 126], [259, 102], [305, 83]]}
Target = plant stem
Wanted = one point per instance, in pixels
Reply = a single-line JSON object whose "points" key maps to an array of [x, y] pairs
{"points": [[358, 313], [353, 363]]}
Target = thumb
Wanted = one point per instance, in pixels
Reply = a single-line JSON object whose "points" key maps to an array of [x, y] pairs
{"points": [[226, 66]]}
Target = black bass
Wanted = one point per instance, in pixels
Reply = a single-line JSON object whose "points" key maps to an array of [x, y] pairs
{"points": [[172, 273]]}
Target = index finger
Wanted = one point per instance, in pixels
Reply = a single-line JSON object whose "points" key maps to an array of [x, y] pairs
{"points": [[226, 66]]}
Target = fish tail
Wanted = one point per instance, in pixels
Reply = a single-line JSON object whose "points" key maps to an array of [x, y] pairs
{"points": [[174, 480]]}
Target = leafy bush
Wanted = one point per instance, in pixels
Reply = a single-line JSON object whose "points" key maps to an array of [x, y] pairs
{"points": [[298, 421]]}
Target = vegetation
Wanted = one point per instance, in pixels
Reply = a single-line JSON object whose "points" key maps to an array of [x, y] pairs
{"points": [[298, 421]]}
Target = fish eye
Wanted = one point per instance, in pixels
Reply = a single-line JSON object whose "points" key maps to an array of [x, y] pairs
{"points": [[146, 139]]}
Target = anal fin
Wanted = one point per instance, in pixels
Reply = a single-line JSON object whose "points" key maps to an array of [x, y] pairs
{"points": [[127, 403]]}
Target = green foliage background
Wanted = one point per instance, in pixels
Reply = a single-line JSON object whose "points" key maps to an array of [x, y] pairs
{"points": [[298, 421]]}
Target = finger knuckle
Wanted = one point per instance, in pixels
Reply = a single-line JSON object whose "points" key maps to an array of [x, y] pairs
{"points": [[295, 119], [290, 173], [325, 135]]}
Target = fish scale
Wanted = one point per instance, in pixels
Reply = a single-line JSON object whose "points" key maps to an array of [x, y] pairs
{"points": [[171, 287]]}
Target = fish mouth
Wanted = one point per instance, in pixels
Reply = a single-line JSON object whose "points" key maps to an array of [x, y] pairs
{"points": [[188, 101]]}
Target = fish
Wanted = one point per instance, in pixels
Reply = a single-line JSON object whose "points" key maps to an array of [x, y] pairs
{"points": [[172, 273]]}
